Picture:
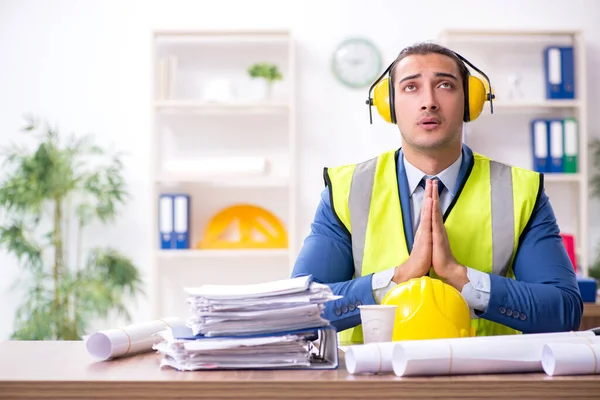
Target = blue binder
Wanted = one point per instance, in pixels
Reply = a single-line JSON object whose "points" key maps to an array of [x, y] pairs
{"points": [[181, 214], [556, 146], [165, 221], [540, 144], [559, 72], [568, 68]]}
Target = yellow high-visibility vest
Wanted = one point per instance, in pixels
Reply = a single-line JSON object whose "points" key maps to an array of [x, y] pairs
{"points": [[484, 222]]}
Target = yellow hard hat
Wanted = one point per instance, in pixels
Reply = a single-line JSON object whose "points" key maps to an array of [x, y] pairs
{"points": [[428, 309]]}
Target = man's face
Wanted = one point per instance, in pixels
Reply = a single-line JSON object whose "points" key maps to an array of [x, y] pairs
{"points": [[429, 101]]}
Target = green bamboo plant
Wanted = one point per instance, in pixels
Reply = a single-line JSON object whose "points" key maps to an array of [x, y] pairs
{"points": [[49, 193]]}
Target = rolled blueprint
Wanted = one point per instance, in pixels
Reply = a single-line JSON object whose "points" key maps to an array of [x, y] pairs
{"points": [[571, 359], [131, 339], [369, 358], [377, 357], [484, 357]]}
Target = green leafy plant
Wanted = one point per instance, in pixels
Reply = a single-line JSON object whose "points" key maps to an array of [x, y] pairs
{"points": [[49, 194], [267, 71], [594, 270]]}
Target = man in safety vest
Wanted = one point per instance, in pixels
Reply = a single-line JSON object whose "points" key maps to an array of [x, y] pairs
{"points": [[434, 207]]}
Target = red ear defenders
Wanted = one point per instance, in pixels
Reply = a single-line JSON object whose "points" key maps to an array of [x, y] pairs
{"points": [[476, 95]]}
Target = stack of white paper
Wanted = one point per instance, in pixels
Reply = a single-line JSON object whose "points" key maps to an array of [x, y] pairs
{"points": [[291, 350], [278, 306], [270, 325]]}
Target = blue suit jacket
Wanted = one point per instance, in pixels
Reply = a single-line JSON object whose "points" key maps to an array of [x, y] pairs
{"points": [[545, 290]]}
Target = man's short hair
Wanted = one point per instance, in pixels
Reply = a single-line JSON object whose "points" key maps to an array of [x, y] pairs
{"points": [[425, 48]]}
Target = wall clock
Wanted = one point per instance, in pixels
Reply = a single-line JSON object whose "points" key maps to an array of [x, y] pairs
{"points": [[356, 62]]}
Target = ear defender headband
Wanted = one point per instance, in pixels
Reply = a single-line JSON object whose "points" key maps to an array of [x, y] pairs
{"points": [[475, 95]]}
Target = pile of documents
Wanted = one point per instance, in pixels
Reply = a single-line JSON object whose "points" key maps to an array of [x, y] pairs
{"points": [[272, 325]]}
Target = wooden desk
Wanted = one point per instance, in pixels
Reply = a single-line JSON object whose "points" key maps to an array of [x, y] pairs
{"points": [[53, 370], [591, 316]]}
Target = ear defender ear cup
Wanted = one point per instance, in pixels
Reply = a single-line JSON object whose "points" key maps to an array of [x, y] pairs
{"points": [[381, 100], [392, 100], [476, 98]]}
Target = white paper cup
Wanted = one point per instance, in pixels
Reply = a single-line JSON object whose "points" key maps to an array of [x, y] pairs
{"points": [[377, 322]]}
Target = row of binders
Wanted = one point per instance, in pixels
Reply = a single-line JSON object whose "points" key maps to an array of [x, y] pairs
{"points": [[559, 71], [174, 221], [271, 325], [555, 145]]}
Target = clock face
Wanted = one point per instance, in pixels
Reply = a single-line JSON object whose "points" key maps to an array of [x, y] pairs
{"points": [[356, 63]]}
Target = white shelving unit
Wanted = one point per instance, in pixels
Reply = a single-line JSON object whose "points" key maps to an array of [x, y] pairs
{"points": [[205, 106], [505, 135], [200, 107]]}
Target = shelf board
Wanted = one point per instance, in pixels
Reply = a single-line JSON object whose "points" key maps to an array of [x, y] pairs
{"points": [[202, 107], [222, 37], [512, 105], [559, 177], [224, 180], [233, 253], [506, 32]]}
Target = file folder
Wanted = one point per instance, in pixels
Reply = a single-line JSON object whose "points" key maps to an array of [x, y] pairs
{"points": [[553, 72], [559, 69], [539, 145], [571, 145], [556, 149], [182, 221], [324, 354], [568, 69], [165, 221]]}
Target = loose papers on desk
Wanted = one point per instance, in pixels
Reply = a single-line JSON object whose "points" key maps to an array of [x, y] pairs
{"points": [[272, 325]]}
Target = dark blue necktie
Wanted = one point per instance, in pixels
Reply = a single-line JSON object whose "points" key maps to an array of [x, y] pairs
{"points": [[440, 184]]}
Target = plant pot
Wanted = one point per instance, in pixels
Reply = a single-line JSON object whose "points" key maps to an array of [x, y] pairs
{"points": [[260, 90]]}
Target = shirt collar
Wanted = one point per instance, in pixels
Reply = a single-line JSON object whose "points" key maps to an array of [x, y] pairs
{"points": [[449, 176]]}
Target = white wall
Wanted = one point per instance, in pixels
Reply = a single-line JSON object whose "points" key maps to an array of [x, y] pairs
{"points": [[86, 65]]}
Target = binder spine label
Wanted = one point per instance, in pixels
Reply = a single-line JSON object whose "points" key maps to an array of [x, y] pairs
{"points": [[165, 221], [556, 141], [570, 137], [541, 139], [554, 67]]}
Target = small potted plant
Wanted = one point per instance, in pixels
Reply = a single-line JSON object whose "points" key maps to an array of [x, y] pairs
{"points": [[265, 74]]}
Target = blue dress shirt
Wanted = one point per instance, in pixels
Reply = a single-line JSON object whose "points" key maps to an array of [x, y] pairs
{"points": [[544, 297]]}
